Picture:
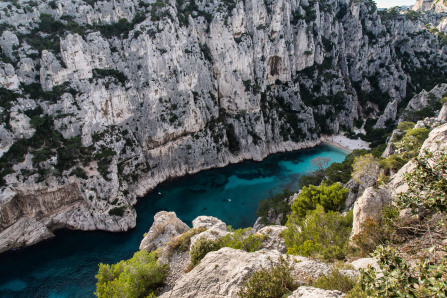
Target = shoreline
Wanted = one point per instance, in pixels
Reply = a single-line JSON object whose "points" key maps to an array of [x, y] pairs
{"points": [[337, 145], [344, 143]]}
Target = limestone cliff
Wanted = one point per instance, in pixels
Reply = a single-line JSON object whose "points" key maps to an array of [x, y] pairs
{"points": [[110, 98], [430, 5]]}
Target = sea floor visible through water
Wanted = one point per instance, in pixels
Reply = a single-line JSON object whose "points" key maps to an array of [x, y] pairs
{"points": [[65, 266]]}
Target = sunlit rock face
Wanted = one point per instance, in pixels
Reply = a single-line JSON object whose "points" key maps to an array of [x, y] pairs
{"points": [[113, 107]]}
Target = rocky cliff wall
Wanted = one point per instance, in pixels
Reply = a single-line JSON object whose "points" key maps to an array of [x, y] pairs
{"points": [[120, 96]]}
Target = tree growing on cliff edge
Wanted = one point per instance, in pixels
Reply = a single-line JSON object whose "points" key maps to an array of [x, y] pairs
{"points": [[366, 170], [321, 163], [330, 197]]}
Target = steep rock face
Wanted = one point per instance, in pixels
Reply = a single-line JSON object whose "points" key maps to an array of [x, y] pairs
{"points": [[430, 5], [165, 227], [27, 217], [435, 144], [369, 206], [182, 87]]}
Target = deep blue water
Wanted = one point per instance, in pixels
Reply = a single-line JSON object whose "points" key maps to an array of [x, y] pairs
{"points": [[65, 266]]}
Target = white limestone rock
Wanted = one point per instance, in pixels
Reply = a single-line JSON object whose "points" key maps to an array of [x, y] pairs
{"points": [[363, 263], [166, 226], [8, 77], [310, 292], [8, 41], [24, 232], [273, 239], [20, 125], [208, 222], [185, 84], [222, 273], [442, 116], [6, 140], [369, 206], [215, 229]]}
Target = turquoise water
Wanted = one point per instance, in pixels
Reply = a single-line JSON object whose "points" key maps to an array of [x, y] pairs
{"points": [[66, 265]]}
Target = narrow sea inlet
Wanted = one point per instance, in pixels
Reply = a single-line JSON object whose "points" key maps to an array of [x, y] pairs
{"points": [[66, 265]]}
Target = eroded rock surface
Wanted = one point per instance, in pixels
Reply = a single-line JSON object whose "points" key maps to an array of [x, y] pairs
{"points": [[369, 206], [181, 90], [165, 227], [215, 228], [273, 239]]}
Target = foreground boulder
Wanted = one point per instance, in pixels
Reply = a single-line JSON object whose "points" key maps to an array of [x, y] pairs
{"points": [[369, 206], [221, 273], [165, 227]]}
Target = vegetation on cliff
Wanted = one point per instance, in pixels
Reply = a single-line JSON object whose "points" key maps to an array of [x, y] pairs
{"points": [[139, 276]]}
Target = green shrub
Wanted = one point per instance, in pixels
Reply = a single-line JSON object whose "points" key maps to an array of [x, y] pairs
{"points": [[201, 248], [394, 162], [330, 197], [79, 172], [365, 170], [183, 241], [242, 239], [412, 142], [335, 281], [277, 203], [319, 234], [356, 292], [405, 125], [336, 172], [139, 276], [7, 97], [117, 211], [117, 75], [427, 184], [273, 282], [415, 116], [398, 279], [239, 239]]}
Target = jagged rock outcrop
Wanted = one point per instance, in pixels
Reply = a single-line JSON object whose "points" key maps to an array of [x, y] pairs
{"points": [[430, 5], [221, 273], [24, 232], [165, 227], [435, 143], [215, 228], [180, 87], [273, 239], [424, 98], [355, 190], [442, 117], [27, 217], [369, 206]]}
